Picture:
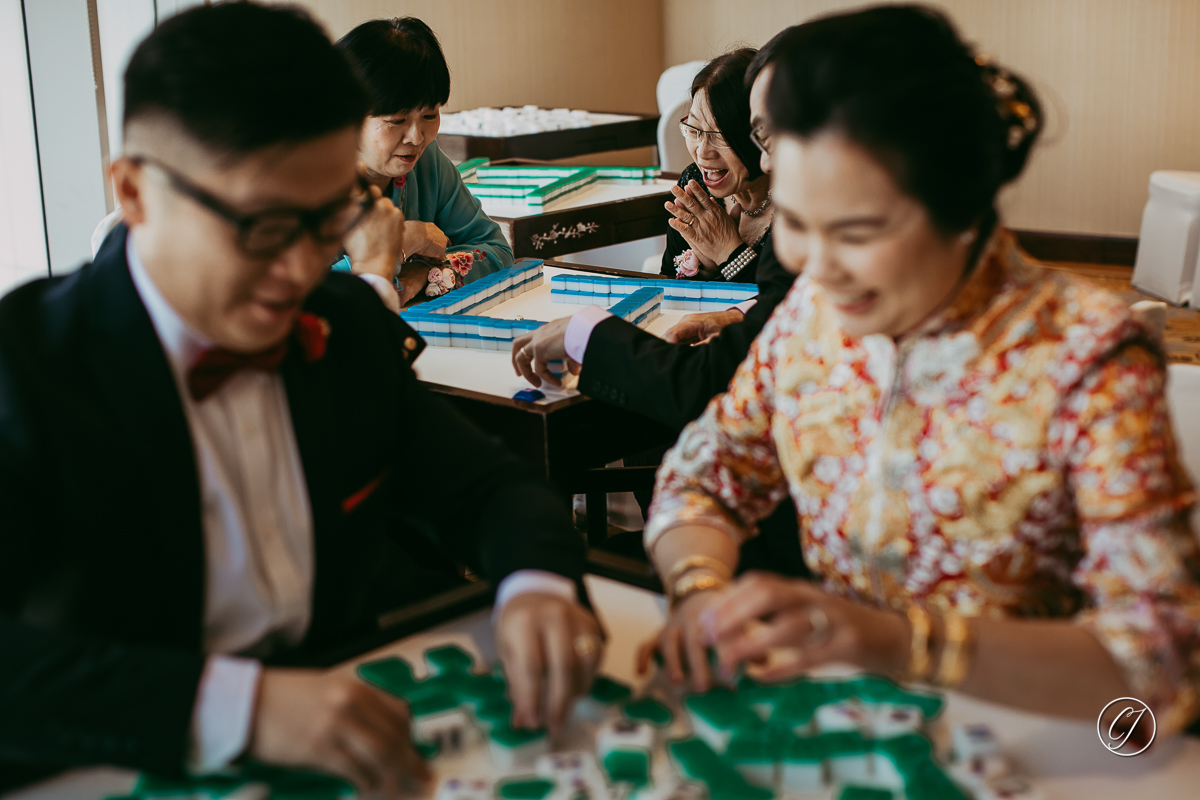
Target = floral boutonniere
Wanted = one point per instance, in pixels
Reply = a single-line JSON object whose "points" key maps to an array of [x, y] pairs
{"points": [[686, 264], [449, 275], [312, 332]]}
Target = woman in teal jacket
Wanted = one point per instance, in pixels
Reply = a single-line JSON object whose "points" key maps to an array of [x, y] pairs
{"points": [[405, 72]]}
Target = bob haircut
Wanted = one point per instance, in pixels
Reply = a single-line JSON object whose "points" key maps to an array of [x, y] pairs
{"points": [[400, 62], [724, 81], [951, 128]]}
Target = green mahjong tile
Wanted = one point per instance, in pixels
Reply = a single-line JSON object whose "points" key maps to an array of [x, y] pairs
{"points": [[524, 788], [449, 659], [649, 710], [393, 675], [496, 712], [435, 702], [722, 709], [852, 791], [906, 752], [606, 690], [290, 784], [508, 736], [208, 786], [755, 747], [804, 749], [697, 761], [626, 766], [845, 743], [481, 689], [873, 689]]}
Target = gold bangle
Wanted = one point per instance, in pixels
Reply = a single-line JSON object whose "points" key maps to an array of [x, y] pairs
{"points": [[696, 562], [689, 585], [956, 651], [919, 660]]}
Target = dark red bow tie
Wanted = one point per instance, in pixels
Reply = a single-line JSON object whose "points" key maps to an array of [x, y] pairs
{"points": [[217, 365]]}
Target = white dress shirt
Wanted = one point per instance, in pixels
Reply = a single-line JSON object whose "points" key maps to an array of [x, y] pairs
{"points": [[258, 532]]}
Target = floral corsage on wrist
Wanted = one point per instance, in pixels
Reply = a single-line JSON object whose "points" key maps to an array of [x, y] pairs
{"points": [[686, 265], [448, 276]]}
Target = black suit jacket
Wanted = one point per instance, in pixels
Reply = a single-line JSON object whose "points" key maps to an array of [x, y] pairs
{"points": [[102, 558], [672, 383]]}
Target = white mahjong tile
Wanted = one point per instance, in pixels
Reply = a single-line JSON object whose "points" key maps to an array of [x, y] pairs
{"points": [[565, 768], [888, 720], [845, 715], [451, 731], [974, 740], [976, 771], [464, 789], [851, 768], [621, 734]]}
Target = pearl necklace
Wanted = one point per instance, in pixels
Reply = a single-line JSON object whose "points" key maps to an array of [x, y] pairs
{"points": [[756, 212]]}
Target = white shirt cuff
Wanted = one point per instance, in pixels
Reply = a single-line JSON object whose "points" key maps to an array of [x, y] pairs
{"points": [[746, 305], [385, 290], [524, 581], [224, 712], [579, 330]]}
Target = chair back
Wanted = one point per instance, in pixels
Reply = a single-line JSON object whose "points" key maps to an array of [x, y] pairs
{"points": [[674, 93]]}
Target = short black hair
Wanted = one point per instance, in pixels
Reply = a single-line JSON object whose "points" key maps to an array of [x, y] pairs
{"points": [[767, 53], [952, 128], [401, 63], [241, 76], [723, 81]]}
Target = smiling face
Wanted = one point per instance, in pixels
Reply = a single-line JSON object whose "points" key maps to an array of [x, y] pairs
{"points": [[841, 219], [243, 303], [724, 173], [392, 144]]}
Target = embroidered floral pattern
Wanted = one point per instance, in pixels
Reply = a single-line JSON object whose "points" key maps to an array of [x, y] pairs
{"points": [[687, 264], [1014, 457]]}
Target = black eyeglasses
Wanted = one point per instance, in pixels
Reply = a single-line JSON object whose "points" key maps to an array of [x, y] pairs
{"points": [[268, 233], [761, 136]]}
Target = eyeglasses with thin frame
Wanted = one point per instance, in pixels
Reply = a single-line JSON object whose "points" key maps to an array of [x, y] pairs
{"points": [[761, 136], [268, 233], [695, 136]]}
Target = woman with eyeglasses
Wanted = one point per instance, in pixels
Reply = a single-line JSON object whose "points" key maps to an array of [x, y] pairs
{"points": [[402, 65], [721, 211], [979, 449]]}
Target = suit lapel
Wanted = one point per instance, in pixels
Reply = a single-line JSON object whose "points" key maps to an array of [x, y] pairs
{"points": [[134, 379]]}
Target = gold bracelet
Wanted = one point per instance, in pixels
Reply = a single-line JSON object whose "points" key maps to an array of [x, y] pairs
{"points": [[919, 660], [696, 562], [689, 585], [956, 651]]}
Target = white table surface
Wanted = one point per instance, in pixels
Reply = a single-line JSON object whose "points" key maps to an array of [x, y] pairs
{"points": [[601, 191], [1064, 759], [491, 371]]}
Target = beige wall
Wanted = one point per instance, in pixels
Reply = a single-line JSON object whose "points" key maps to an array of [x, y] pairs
{"points": [[1121, 79], [602, 55]]}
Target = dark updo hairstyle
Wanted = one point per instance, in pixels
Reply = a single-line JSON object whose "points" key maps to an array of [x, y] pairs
{"points": [[723, 80], [401, 63], [951, 128], [239, 77]]}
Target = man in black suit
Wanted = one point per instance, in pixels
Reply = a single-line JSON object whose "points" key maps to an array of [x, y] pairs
{"points": [[671, 380], [206, 461]]}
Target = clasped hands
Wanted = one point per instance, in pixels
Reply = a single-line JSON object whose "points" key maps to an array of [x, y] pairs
{"points": [[333, 722], [709, 230], [777, 628]]}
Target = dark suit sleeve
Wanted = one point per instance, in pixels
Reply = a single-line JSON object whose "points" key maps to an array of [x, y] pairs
{"points": [[672, 383], [488, 507], [68, 699]]}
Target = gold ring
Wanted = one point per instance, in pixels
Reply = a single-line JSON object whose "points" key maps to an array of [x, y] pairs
{"points": [[819, 621], [525, 352], [586, 645]]}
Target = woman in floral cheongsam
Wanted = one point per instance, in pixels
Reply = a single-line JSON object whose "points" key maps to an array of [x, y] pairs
{"points": [[979, 450]]}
